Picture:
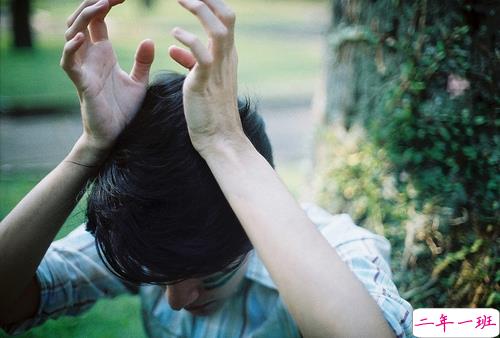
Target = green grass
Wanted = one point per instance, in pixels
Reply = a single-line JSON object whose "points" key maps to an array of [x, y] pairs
{"points": [[24, 85], [116, 318], [119, 317], [15, 185], [278, 58]]}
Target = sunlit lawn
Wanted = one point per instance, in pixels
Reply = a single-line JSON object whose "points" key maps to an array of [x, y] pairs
{"points": [[278, 54], [119, 317]]}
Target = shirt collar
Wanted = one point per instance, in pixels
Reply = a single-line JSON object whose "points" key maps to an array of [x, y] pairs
{"points": [[257, 272]]}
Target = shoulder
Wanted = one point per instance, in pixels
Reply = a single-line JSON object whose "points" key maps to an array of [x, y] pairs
{"points": [[366, 254], [347, 237]]}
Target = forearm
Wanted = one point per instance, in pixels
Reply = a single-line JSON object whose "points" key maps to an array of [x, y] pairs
{"points": [[27, 231], [323, 295]]}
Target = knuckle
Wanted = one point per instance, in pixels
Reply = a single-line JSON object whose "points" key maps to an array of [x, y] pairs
{"points": [[220, 33], [87, 12], [193, 41], [206, 61], [188, 41], [63, 64], [68, 34], [87, 4], [67, 47], [197, 7], [229, 17]]}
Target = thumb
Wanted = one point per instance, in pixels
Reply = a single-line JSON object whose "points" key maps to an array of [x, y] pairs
{"points": [[143, 59]]}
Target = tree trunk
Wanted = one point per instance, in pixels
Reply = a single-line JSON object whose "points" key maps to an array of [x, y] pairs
{"points": [[409, 143], [354, 65], [21, 28]]}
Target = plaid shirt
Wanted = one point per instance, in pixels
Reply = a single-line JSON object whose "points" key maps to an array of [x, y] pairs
{"points": [[72, 278]]}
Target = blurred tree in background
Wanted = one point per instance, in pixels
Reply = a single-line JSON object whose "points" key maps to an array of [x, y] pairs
{"points": [[22, 33], [410, 145], [21, 28]]}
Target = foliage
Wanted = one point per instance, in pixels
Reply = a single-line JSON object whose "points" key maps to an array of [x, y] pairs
{"points": [[432, 128], [363, 184]]}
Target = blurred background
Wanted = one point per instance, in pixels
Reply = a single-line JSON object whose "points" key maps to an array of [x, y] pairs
{"points": [[281, 48], [386, 110]]}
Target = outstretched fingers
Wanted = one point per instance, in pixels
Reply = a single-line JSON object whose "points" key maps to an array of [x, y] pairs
{"points": [[219, 34], [68, 57], [218, 21], [208, 19], [71, 19], [223, 12], [91, 14], [201, 53]]}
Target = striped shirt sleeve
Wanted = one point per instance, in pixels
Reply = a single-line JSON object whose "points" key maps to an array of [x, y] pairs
{"points": [[72, 278], [368, 257]]}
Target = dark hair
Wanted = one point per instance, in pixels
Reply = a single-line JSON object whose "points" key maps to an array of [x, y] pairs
{"points": [[155, 209]]}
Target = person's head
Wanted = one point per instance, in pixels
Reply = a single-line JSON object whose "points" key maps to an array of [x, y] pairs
{"points": [[155, 209]]}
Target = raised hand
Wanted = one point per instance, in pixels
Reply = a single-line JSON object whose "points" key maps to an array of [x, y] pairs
{"points": [[109, 96], [210, 89]]}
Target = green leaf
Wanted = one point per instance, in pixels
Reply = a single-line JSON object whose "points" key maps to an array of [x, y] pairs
{"points": [[444, 133], [478, 120]]}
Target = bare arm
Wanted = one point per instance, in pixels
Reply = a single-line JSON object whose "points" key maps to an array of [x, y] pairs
{"points": [[323, 295], [109, 99], [27, 231]]}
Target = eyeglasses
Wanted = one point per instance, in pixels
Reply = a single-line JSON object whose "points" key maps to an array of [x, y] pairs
{"points": [[220, 278]]}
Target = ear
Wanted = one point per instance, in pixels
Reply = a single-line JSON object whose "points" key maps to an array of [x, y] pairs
{"points": [[182, 56]]}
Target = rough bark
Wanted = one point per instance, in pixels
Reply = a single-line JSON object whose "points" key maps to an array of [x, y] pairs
{"points": [[409, 145], [354, 65]]}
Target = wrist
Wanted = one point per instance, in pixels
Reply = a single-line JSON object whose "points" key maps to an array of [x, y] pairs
{"points": [[226, 148], [88, 153]]}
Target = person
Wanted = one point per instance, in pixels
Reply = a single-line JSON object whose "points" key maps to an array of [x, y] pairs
{"points": [[181, 195]]}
